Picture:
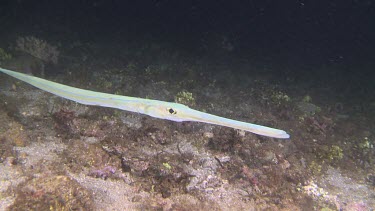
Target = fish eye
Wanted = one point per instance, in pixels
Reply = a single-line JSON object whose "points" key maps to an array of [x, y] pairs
{"points": [[171, 111]]}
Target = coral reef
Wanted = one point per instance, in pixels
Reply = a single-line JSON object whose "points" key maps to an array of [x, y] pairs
{"points": [[279, 98], [53, 193], [4, 55], [108, 159], [38, 48], [185, 98], [335, 153]]}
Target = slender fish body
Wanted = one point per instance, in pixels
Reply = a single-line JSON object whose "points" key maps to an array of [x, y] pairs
{"points": [[155, 108]]}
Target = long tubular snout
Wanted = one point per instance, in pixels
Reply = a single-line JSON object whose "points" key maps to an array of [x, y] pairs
{"points": [[197, 116]]}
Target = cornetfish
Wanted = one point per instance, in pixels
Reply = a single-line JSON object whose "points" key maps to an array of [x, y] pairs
{"points": [[155, 108]]}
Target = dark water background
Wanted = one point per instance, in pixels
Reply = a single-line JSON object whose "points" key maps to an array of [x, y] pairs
{"points": [[290, 35]]}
